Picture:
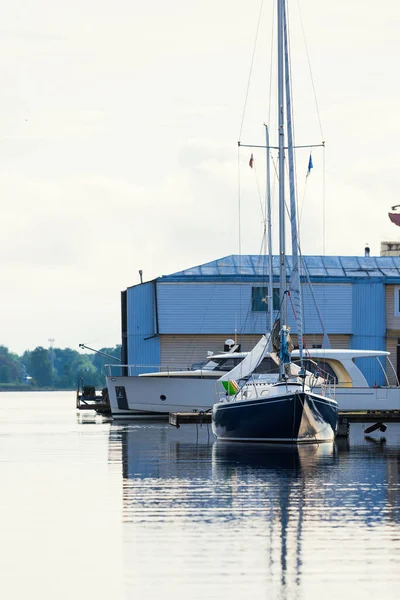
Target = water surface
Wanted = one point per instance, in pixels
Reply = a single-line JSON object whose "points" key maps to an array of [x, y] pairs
{"points": [[101, 509]]}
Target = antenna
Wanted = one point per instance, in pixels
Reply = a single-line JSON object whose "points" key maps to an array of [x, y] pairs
{"points": [[84, 347]]}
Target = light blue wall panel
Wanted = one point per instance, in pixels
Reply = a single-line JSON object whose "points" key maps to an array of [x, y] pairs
{"points": [[220, 308], [143, 341], [207, 308], [369, 326], [334, 302]]}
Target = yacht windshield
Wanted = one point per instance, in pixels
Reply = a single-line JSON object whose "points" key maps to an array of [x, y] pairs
{"points": [[267, 366], [320, 368], [222, 364]]}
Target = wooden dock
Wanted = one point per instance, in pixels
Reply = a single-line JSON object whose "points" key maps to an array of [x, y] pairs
{"points": [[371, 416], [379, 419], [184, 418]]}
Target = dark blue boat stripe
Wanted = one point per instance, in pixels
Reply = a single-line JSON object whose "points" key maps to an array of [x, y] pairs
{"points": [[279, 440], [259, 401], [241, 403], [328, 401]]}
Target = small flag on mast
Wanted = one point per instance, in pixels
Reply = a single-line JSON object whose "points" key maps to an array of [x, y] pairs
{"points": [[310, 165], [251, 161]]}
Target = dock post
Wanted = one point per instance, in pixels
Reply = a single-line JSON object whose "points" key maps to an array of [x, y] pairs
{"points": [[343, 428]]}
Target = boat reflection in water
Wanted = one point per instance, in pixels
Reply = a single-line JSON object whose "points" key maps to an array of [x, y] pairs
{"points": [[356, 480], [152, 450], [279, 458], [253, 516], [282, 479]]}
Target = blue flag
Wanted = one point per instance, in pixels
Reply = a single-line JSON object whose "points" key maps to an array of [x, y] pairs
{"points": [[310, 166]]}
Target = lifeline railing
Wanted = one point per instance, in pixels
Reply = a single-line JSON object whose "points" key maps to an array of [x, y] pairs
{"points": [[259, 384]]}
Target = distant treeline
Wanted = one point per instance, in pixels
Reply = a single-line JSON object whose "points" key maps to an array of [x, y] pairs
{"points": [[54, 368]]}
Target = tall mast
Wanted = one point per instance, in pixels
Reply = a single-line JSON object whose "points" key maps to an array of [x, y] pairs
{"points": [[295, 272], [281, 171], [269, 234]]}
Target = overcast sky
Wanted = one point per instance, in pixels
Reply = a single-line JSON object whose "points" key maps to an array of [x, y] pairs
{"points": [[119, 129]]}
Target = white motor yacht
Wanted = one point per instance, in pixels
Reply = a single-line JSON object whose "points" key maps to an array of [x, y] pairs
{"points": [[159, 393]]}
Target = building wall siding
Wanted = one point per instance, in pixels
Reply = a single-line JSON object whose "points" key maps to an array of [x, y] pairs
{"points": [[392, 340], [369, 326], [181, 351], [207, 308], [392, 320], [143, 341], [338, 342], [392, 332], [334, 302]]}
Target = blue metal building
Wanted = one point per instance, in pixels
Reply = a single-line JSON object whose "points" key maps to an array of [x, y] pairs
{"points": [[173, 320]]}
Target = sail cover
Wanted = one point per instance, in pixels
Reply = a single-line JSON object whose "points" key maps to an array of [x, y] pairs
{"points": [[247, 366], [395, 218]]}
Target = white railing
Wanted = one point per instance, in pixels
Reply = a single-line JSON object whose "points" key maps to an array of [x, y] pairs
{"points": [[328, 389], [113, 370], [256, 385]]}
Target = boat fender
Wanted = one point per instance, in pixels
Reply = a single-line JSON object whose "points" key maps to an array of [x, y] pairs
{"points": [[381, 426]]}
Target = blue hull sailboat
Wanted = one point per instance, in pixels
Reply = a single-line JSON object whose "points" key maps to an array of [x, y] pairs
{"points": [[289, 414], [287, 410]]}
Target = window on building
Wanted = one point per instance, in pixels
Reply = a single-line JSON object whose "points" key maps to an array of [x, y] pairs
{"points": [[259, 299], [397, 301]]}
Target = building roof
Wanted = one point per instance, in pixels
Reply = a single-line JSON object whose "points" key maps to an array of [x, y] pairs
{"points": [[251, 266]]}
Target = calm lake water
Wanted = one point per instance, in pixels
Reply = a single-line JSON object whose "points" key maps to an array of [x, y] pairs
{"points": [[91, 508]]}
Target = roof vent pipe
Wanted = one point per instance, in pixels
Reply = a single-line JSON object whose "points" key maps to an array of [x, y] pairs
{"points": [[367, 250], [141, 275]]}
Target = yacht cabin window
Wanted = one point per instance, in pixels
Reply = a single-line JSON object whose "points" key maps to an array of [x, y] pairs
{"points": [[319, 367], [221, 364]]}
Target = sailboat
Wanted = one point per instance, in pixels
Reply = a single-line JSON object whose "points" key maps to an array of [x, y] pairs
{"points": [[287, 411]]}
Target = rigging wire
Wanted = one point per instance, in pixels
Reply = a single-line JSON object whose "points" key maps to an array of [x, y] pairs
{"points": [[240, 136], [251, 68], [292, 119], [323, 144], [303, 201], [320, 127], [323, 199], [310, 70], [262, 206], [273, 193], [270, 65], [240, 239], [323, 154], [239, 205]]}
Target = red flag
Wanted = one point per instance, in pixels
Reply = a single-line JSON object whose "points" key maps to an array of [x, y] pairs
{"points": [[251, 161]]}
